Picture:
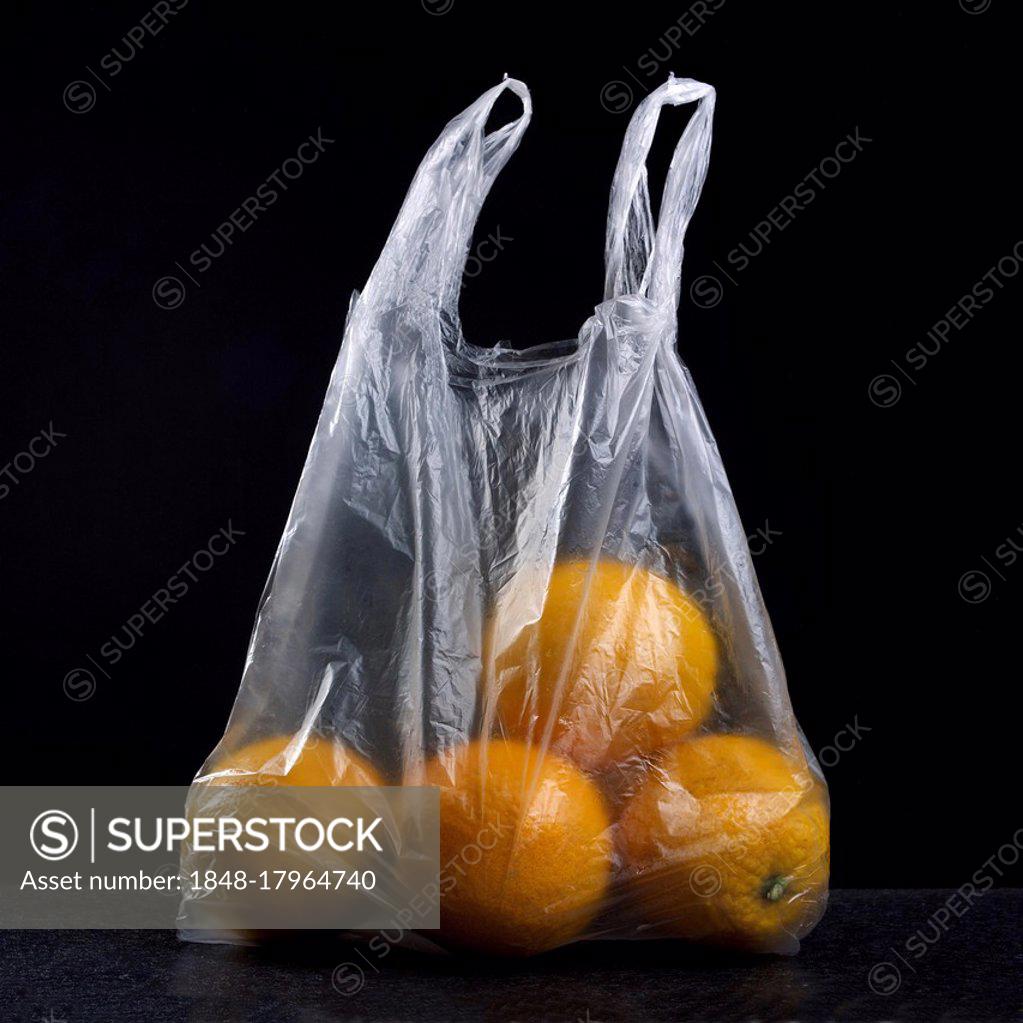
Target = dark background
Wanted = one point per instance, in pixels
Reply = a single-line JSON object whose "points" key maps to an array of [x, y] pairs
{"points": [[180, 420]]}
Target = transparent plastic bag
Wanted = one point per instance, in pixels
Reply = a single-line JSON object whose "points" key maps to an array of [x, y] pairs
{"points": [[521, 576]]}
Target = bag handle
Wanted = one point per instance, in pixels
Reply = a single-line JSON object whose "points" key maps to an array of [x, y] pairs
{"points": [[640, 260], [425, 255]]}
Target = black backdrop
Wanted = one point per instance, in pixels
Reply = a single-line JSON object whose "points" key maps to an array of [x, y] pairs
{"points": [[882, 474]]}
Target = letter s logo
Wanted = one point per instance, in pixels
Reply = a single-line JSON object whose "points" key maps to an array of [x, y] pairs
{"points": [[54, 835]]}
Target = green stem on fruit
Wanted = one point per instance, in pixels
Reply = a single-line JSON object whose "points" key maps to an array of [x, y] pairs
{"points": [[775, 888]]}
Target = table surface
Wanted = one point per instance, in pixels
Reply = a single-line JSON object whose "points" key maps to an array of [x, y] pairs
{"points": [[877, 955]]}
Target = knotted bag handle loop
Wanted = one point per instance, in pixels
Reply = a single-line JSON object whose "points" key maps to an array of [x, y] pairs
{"points": [[424, 257], [639, 259]]}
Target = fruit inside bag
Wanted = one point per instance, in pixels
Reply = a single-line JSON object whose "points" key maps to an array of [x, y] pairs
{"points": [[520, 576]]}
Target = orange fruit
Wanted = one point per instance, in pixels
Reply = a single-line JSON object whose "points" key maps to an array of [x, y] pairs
{"points": [[727, 841], [281, 761], [525, 847], [287, 760], [611, 660]]}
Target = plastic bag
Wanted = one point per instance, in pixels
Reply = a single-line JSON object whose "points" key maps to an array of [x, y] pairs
{"points": [[521, 576]]}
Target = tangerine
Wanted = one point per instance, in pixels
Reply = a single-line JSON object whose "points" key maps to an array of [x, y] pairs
{"points": [[525, 847], [727, 842], [288, 760], [617, 663]]}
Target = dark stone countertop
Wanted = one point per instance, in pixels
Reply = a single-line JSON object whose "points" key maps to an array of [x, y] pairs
{"points": [[855, 966]]}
